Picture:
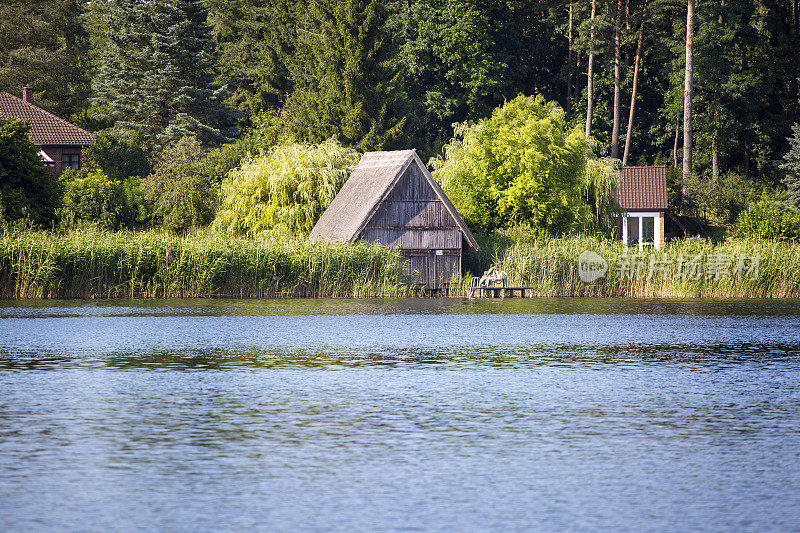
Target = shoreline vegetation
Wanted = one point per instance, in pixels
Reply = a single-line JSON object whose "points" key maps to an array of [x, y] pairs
{"points": [[87, 263]]}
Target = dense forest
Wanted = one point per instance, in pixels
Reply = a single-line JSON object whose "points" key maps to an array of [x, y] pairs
{"points": [[196, 104]]}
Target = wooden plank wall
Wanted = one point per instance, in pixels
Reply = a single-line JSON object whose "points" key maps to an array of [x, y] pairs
{"points": [[414, 219]]}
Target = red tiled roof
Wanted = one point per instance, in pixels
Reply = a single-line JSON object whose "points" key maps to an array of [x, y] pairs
{"points": [[643, 188], [46, 128]]}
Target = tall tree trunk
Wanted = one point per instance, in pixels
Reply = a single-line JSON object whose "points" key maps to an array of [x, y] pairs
{"points": [[688, 91], [675, 143], [617, 83], [635, 87], [590, 76], [714, 155], [569, 64]]}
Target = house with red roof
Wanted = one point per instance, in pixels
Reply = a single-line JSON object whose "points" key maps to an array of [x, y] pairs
{"points": [[642, 195], [60, 143]]}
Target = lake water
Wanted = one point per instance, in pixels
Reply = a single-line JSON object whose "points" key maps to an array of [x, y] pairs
{"points": [[400, 415]]}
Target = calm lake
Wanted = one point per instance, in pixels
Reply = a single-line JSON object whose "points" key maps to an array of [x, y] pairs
{"points": [[400, 415]]}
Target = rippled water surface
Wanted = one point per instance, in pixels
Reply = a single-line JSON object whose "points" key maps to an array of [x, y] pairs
{"points": [[422, 415]]}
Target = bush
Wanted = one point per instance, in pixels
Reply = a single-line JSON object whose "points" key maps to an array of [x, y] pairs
{"points": [[723, 200], [289, 187], [118, 156], [521, 166], [27, 191], [769, 219], [179, 188], [91, 197]]}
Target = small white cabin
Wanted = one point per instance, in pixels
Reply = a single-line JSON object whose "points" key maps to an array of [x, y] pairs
{"points": [[642, 196]]}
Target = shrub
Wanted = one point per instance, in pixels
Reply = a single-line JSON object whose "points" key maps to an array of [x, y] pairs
{"points": [[178, 187], [90, 196], [119, 156], [289, 187], [521, 166], [722, 200], [769, 219]]}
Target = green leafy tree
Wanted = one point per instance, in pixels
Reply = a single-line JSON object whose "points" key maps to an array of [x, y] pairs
{"points": [[287, 188], [179, 189], [119, 156], [791, 165], [91, 197], [43, 44], [463, 58], [521, 166], [26, 190], [347, 83], [768, 219], [266, 132], [154, 76]]}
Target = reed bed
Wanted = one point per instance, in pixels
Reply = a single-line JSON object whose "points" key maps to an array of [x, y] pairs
{"points": [[96, 264], [685, 268]]}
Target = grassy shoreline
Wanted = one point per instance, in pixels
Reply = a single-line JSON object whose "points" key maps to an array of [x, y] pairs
{"points": [[92, 264], [95, 264]]}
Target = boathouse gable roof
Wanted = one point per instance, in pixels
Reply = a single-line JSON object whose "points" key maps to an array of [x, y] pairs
{"points": [[362, 195]]}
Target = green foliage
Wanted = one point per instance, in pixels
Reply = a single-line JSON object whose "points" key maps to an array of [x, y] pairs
{"points": [[521, 166], [91, 197], [599, 188], [463, 58], [287, 188], [118, 156], [347, 83], [26, 190], [154, 76], [179, 189], [721, 201], [256, 42], [791, 164], [43, 44], [266, 132], [768, 219]]}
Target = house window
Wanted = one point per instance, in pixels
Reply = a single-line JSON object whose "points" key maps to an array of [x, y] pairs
{"points": [[648, 230], [72, 161], [633, 231]]}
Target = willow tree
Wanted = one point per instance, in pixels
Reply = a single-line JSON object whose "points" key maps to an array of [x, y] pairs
{"points": [[288, 187]]}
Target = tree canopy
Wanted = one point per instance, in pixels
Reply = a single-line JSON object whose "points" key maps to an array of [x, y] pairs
{"points": [[523, 165]]}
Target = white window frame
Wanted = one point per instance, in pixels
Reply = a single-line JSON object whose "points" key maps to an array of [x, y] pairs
{"points": [[657, 215]]}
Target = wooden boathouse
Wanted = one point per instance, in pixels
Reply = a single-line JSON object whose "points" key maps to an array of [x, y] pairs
{"points": [[392, 198]]}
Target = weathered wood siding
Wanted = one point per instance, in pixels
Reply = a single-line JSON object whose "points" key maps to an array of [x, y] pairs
{"points": [[414, 219], [434, 270]]}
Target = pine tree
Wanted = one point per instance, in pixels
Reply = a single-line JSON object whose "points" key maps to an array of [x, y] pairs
{"points": [[792, 167], [347, 83], [255, 43], [154, 75], [43, 44]]}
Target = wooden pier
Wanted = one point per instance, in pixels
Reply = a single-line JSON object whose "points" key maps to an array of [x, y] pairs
{"points": [[498, 292]]}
